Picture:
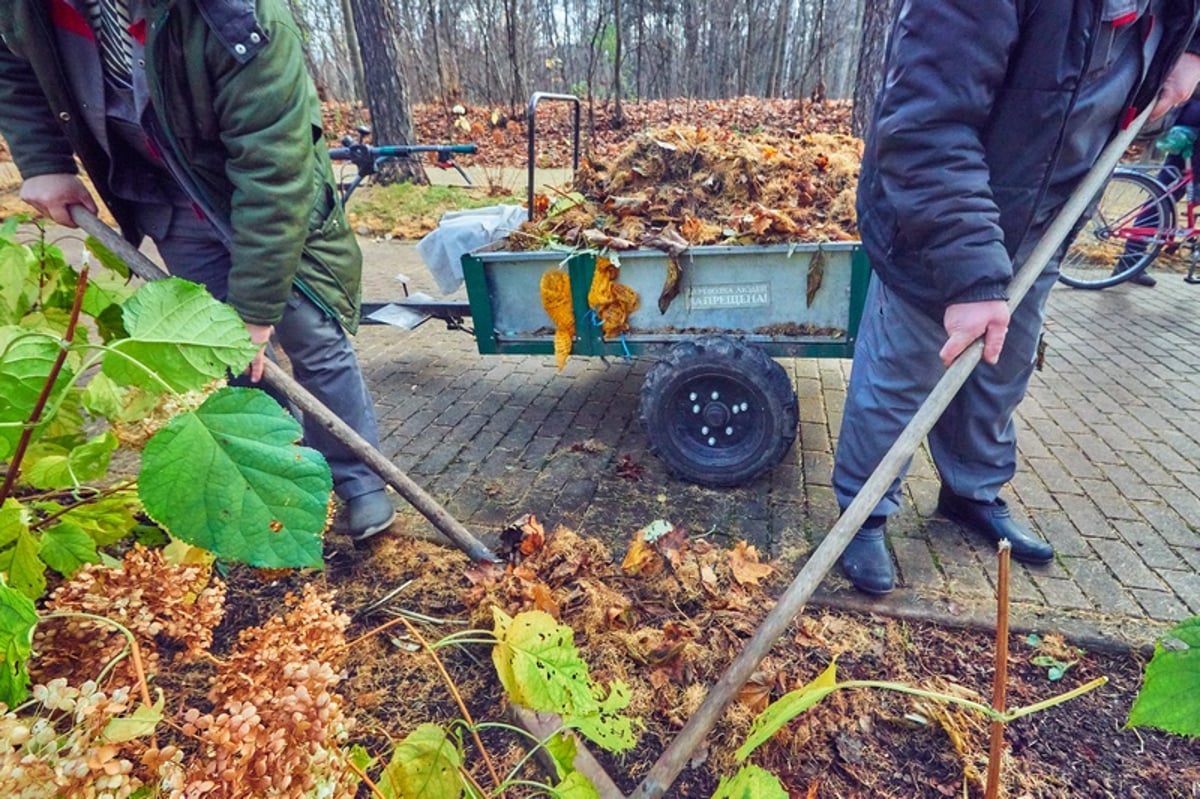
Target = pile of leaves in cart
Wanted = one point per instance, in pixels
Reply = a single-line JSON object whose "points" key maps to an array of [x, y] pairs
{"points": [[676, 187], [300, 683]]}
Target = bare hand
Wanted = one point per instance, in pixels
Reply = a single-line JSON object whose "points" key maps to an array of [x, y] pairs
{"points": [[259, 334], [53, 195], [1178, 86], [967, 321]]}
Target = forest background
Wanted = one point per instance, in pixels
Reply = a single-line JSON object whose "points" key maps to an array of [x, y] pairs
{"points": [[609, 53]]}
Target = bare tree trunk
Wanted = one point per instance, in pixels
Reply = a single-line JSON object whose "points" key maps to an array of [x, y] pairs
{"points": [[517, 97], [387, 94], [297, 9], [775, 80], [618, 115], [357, 75], [877, 20]]}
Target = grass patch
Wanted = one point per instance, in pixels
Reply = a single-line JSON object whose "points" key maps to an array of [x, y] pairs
{"points": [[405, 211]]}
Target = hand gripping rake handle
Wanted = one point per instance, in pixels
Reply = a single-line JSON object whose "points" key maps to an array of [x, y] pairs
{"points": [[286, 385], [671, 762]]}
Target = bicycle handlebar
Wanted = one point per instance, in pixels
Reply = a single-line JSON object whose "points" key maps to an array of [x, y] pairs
{"points": [[367, 158], [368, 155]]}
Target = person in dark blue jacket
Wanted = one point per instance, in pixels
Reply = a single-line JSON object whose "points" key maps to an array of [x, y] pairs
{"points": [[990, 114]]}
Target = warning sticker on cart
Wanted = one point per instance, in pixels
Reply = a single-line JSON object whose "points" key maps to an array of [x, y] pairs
{"points": [[729, 295]]}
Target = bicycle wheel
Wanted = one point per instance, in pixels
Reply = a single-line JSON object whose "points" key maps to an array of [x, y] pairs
{"points": [[1126, 230]]}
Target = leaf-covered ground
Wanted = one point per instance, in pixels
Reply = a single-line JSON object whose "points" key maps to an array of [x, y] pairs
{"points": [[667, 619]]}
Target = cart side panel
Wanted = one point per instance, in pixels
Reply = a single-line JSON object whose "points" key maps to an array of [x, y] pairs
{"points": [[799, 300]]}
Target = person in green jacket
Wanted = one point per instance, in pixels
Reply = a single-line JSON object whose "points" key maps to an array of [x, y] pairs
{"points": [[200, 128]]}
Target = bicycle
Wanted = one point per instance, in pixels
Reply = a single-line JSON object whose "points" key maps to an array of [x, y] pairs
{"points": [[1133, 222], [369, 158]]}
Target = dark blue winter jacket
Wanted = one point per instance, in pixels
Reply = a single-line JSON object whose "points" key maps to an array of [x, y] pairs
{"points": [[965, 160]]}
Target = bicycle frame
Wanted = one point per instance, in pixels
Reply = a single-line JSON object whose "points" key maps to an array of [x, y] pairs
{"points": [[1127, 228]]}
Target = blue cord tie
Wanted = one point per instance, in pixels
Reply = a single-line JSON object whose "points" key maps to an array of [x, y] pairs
{"points": [[598, 322]]}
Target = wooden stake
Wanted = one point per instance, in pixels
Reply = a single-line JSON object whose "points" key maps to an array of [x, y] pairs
{"points": [[1000, 678]]}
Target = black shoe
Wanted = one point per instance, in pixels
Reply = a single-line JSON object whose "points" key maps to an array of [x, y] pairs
{"points": [[866, 560], [993, 521], [1143, 279], [370, 514]]}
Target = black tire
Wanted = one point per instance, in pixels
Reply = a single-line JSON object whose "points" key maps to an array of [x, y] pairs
{"points": [[1098, 257], [718, 411]]}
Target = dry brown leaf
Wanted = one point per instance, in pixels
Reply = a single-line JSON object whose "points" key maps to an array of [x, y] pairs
{"points": [[756, 692], [747, 570], [641, 559], [522, 538]]}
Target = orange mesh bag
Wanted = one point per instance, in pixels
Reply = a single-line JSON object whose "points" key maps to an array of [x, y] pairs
{"points": [[612, 301], [556, 299]]}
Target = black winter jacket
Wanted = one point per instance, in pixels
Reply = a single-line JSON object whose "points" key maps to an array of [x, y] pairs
{"points": [[968, 132]]}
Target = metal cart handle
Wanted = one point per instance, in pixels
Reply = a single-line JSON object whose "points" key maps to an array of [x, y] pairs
{"points": [[533, 102]]}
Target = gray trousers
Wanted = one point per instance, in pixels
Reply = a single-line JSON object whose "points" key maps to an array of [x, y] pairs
{"points": [[896, 365], [320, 352]]}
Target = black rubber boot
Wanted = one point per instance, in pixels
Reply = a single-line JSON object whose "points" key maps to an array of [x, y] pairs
{"points": [[993, 521], [867, 562]]}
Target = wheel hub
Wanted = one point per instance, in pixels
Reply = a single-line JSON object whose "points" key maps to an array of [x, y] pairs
{"points": [[714, 413]]}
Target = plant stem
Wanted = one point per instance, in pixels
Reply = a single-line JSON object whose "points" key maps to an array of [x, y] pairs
{"points": [[462, 706], [1000, 679], [362, 775], [135, 651], [14, 464]]}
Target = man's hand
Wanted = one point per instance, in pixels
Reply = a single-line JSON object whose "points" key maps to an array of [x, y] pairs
{"points": [[1178, 86], [967, 321], [260, 335], [53, 195]]}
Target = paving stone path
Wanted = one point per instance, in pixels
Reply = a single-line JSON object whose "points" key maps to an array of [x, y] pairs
{"points": [[1109, 461]]}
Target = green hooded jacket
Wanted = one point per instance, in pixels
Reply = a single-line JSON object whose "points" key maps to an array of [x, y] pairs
{"points": [[235, 114]]}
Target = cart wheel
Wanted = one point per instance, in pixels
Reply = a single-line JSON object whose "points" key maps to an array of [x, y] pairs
{"points": [[718, 411]]}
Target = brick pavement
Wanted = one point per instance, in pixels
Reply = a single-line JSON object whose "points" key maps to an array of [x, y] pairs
{"points": [[1109, 461]]}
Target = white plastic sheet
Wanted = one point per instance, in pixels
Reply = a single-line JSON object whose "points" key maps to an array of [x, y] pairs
{"points": [[460, 232]]}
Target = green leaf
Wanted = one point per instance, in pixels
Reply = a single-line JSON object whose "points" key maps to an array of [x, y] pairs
{"points": [[52, 467], [103, 397], [65, 548], [751, 782], [108, 259], [18, 617], [22, 567], [540, 668], [178, 331], [538, 665], [138, 724], [574, 786], [106, 519], [16, 261], [425, 765], [360, 757], [230, 477], [1170, 695], [103, 299], [14, 520], [786, 708], [607, 728], [562, 749], [25, 363], [1055, 668]]}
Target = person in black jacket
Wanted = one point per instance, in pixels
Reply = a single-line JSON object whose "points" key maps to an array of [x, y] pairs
{"points": [[990, 114]]}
